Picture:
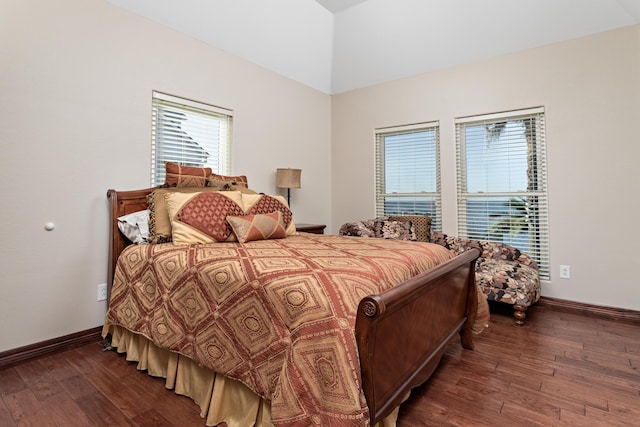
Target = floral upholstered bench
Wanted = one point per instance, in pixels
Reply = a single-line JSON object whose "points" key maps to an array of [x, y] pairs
{"points": [[503, 273]]}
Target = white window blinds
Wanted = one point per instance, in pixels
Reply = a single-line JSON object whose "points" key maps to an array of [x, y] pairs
{"points": [[502, 181], [189, 133], [407, 171]]}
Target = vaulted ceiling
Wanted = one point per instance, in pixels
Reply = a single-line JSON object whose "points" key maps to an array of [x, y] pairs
{"points": [[339, 45], [338, 5]]}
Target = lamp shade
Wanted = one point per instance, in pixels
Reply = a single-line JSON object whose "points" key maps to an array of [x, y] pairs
{"points": [[288, 178]]}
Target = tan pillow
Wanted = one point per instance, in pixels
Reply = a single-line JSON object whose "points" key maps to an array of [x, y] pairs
{"points": [[262, 204], [248, 228], [239, 180], [202, 217], [229, 186], [185, 176], [159, 222]]}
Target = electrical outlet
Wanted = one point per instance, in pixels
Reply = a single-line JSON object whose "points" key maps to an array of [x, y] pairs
{"points": [[565, 272], [102, 292]]}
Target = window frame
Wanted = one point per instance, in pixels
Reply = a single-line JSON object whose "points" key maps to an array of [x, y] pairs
{"points": [[380, 171], [529, 206], [162, 124]]}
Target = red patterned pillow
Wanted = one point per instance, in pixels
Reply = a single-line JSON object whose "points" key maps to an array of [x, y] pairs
{"points": [[239, 181], [248, 228], [185, 176], [202, 217], [159, 221], [262, 204]]}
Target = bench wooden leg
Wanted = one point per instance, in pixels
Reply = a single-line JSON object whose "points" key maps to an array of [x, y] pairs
{"points": [[520, 313]]}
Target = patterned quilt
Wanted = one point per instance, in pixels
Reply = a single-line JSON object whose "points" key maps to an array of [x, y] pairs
{"points": [[278, 315]]}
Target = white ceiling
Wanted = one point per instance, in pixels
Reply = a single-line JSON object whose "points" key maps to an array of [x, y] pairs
{"points": [[338, 5], [339, 45]]}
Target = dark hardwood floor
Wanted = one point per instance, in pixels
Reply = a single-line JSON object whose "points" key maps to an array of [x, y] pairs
{"points": [[560, 369]]}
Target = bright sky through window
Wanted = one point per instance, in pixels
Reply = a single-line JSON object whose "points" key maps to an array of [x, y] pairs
{"points": [[405, 158], [488, 169]]}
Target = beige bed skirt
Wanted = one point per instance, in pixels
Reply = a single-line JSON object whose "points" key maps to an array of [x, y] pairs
{"points": [[221, 399]]}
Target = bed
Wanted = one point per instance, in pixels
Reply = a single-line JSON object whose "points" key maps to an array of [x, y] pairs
{"points": [[366, 356]]}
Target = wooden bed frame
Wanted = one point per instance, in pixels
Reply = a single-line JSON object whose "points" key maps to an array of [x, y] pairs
{"points": [[401, 333]]}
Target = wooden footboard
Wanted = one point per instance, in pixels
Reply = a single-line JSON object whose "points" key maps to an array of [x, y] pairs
{"points": [[403, 332]]}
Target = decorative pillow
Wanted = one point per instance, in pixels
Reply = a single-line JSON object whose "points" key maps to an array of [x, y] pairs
{"points": [[358, 228], [258, 227], [135, 226], [229, 186], [397, 230], [185, 176], [421, 223], [240, 180], [482, 315], [202, 217], [263, 204], [159, 221]]}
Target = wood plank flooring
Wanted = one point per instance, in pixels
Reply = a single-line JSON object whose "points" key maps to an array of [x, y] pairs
{"points": [[561, 369]]}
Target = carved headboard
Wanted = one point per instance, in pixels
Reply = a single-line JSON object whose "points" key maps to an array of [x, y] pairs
{"points": [[121, 203]]}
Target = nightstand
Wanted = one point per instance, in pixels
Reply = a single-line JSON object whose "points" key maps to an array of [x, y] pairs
{"points": [[311, 228]]}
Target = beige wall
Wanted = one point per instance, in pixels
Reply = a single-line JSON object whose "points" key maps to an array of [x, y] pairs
{"points": [[75, 85], [76, 78], [590, 88]]}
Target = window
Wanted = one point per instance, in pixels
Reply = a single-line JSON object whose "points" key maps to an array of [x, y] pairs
{"points": [[502, 181], [407, 172], [189, 133]]}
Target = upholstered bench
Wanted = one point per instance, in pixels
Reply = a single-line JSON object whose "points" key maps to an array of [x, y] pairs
{"points": [[503, 273]]}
